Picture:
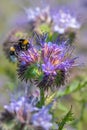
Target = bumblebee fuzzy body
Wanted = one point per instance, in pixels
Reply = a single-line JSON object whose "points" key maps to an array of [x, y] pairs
{"points": [[15, 38], [20, 45], [23, 44]]}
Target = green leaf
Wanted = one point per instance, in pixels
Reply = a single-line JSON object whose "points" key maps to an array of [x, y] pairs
{"points": [[68, 117], [75, 86]]}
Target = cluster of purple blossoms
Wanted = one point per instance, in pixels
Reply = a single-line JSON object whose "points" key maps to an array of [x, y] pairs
{"points": [[22, 108], [39, 18], [58, 21], [47, 65], [63, 21], [42, 118], [28, 114]]}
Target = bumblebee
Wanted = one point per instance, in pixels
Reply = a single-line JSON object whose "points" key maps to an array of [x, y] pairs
{"points": [[17, 38], [20, 45]]}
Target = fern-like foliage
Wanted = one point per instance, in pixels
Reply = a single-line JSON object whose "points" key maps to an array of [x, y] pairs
{"points": [[68, 117]]}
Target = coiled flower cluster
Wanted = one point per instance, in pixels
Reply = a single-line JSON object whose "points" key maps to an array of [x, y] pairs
{"points": [[46, 66]]}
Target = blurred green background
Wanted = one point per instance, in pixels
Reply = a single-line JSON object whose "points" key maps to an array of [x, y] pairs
{"points": [[9, 11]]}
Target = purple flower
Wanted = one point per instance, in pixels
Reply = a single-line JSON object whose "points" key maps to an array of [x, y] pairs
{"points": [[58, 21], [39, 17], [55, 58], [63, 20], [42, 118], [29, 57], [48, 68], [56, 63], [51, 64], [22, 108], [36, 12]]}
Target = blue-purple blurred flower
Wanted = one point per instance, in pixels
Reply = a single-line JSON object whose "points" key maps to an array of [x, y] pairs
{"points": [[40, 19], [42, 118], [57, 21], [25, 111], [22, 108], [64, 20]]}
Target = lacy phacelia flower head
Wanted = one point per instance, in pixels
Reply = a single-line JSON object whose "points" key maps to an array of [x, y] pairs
{"points": [[42, 118], [54, 21], [63, 20], [40, 18], [48, 66], [22, 108], [25, 111]]}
